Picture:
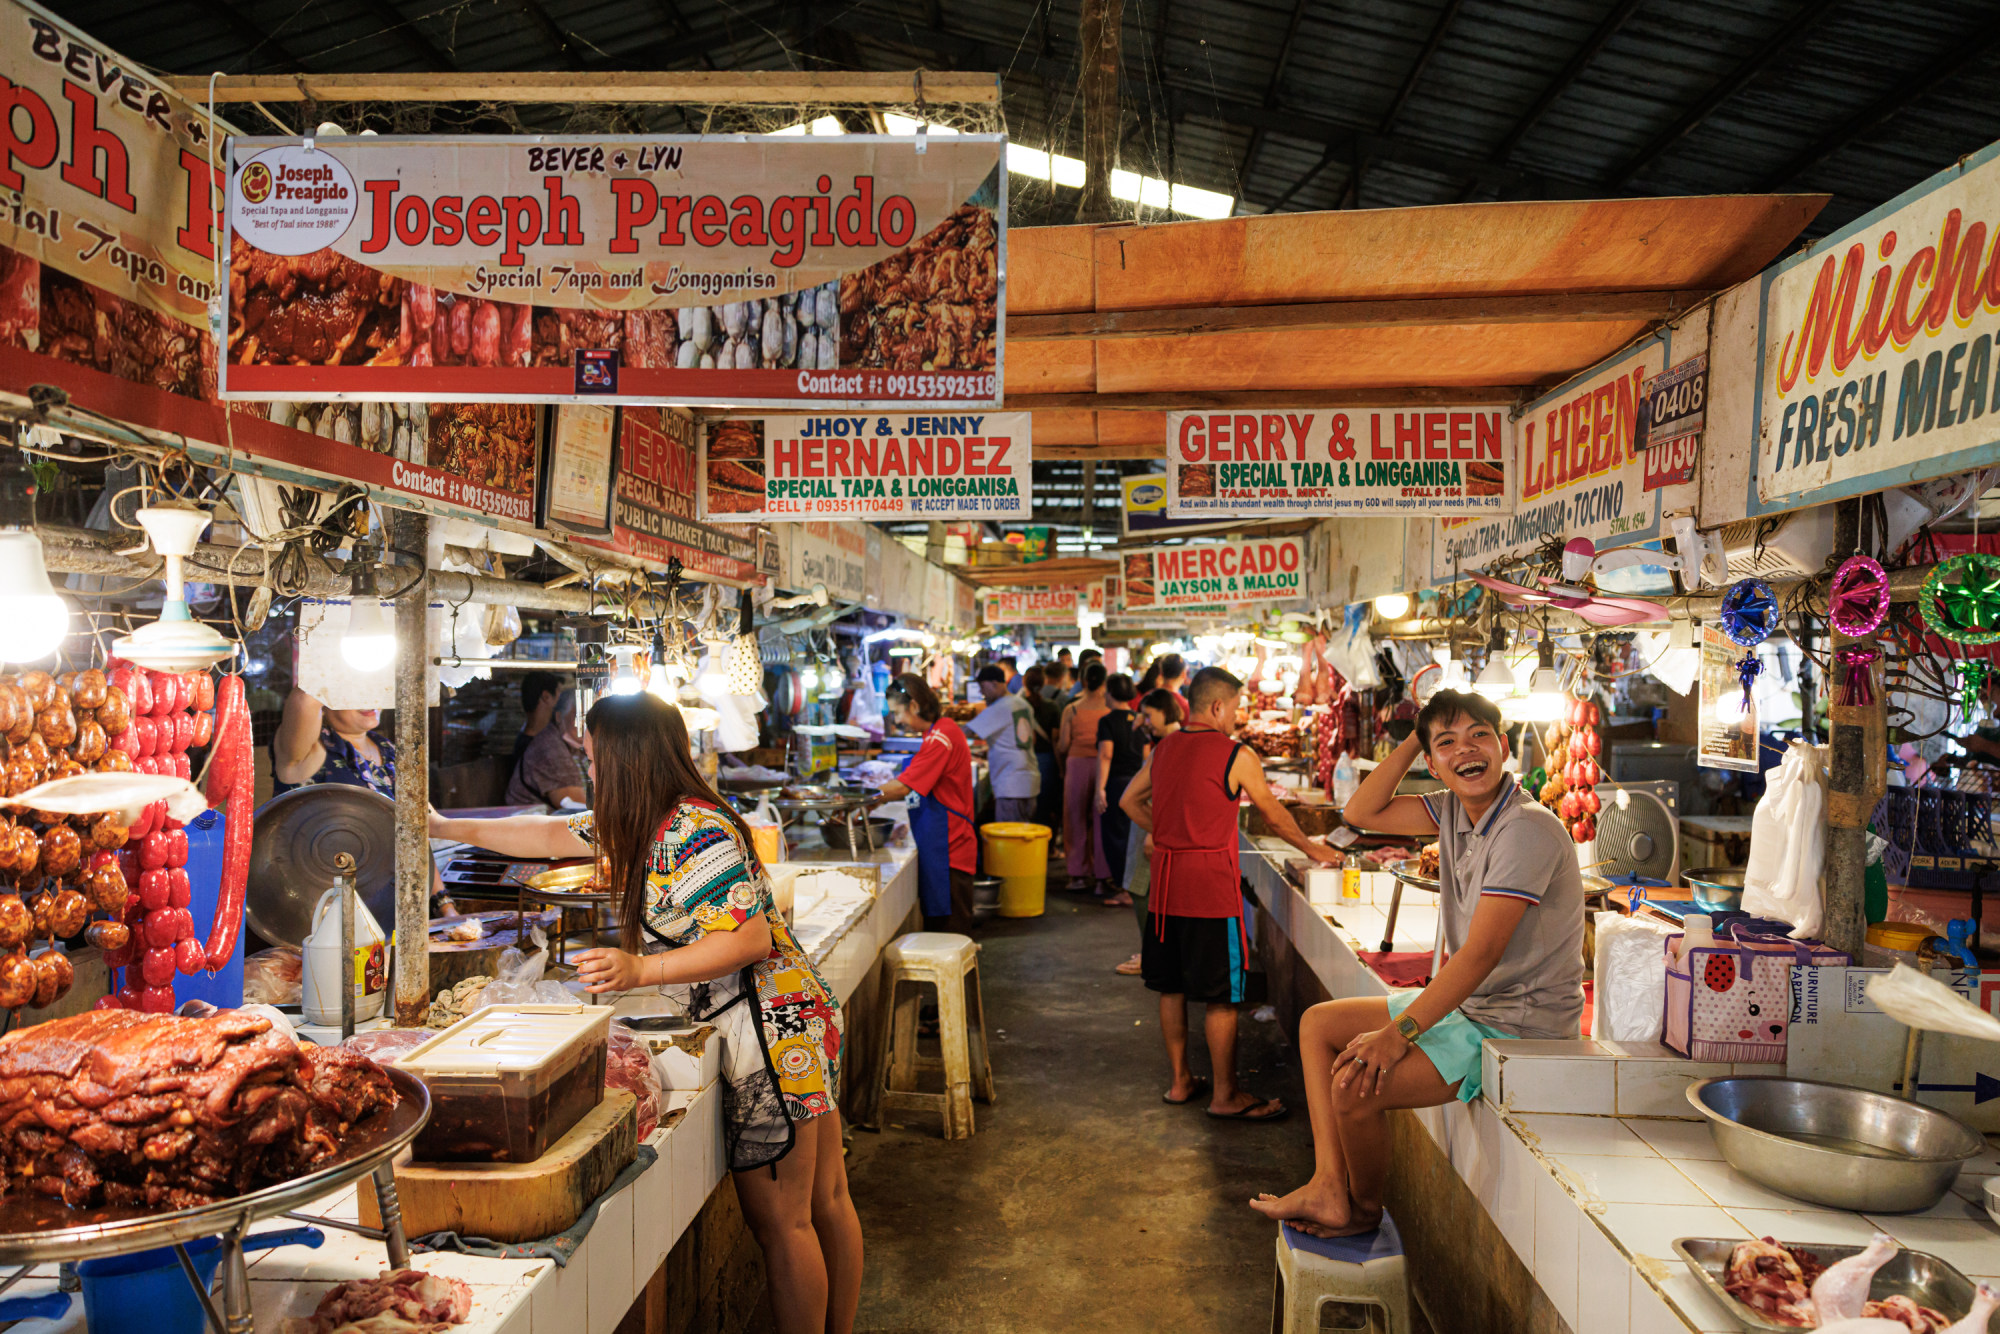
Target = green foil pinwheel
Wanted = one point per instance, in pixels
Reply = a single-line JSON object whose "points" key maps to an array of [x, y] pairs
{"points": [[1960, 600]]}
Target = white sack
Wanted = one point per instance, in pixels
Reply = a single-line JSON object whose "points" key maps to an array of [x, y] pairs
{"points": [[1630, 978], [1788, 844]]}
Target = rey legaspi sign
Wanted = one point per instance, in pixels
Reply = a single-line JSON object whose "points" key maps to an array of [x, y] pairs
{"points": [[1362, 461], [863, 271], [945, 466], [1203, 574]]}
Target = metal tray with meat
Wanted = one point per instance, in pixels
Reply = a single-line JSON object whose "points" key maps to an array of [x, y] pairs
{"points": [[1785, 1281]]}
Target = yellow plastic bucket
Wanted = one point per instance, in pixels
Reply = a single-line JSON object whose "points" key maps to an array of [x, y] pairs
{"points": [[1019, 855]]}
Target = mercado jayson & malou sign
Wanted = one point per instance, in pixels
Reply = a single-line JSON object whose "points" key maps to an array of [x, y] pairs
{"points": [[866, 271], [1208, 574]]}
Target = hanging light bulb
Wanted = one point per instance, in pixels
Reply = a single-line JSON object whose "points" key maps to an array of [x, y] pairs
{"points": [[33, 620], [1392, 606], [1496, 678], [176, 642], [370, 642], [1545, 693], [624, 676]]}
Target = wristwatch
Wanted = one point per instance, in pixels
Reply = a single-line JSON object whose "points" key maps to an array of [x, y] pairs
{"points": [[1409, 1027]]}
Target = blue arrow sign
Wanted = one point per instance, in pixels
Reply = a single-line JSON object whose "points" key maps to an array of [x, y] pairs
{"points": [[1983, 1088]]}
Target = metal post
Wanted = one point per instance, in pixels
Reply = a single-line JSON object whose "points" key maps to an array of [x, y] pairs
{"points": [[1857, 773], [414, 674], [390, 1206]]}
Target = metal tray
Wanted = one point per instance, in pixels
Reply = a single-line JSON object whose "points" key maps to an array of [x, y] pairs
{"points": [[578, 879], [35, 1229], [1420, 881], [1920, 1276]]}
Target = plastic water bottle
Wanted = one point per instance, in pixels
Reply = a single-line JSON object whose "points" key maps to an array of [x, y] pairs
{"points": [[1345, 780]]}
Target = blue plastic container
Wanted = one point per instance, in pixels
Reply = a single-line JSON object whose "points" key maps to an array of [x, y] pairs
{"points": [[146, 1290], [224, 988]]}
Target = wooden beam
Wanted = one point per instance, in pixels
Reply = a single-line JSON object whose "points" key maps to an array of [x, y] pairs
{"points": [[1181, 400], [1155, 450], [664, 86], [1551, 308]]}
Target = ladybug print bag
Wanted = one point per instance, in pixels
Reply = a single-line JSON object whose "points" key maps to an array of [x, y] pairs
{"points": [[1734, 1002]]}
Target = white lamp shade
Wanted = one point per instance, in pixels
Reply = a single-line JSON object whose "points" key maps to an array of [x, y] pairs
{"points": [[1496, 679], [33, 620], [369, 645], [1393, 606]]}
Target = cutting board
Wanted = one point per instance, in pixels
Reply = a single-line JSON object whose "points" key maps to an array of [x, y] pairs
{"points": [[517, 1202]]}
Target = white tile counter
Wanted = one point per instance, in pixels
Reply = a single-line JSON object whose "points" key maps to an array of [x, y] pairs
{"points": [[1588, 1158], [635, 1228]]}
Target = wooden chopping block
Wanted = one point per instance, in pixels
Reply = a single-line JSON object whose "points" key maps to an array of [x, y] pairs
{"points": [[516, 1202]]}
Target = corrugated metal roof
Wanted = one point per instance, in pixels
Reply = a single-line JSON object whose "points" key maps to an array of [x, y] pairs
{"points": [[1220, 97]]}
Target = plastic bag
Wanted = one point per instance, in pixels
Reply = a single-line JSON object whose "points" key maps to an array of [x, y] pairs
{"points": [[629, 1066], [384, 1045], [1910, 997], [1630, 985], [274, 976], [520, 981], [1788, 844], [767, 832]]}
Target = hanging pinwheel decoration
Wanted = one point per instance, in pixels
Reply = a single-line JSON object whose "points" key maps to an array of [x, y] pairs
{"points": [[1972, 676], [1858, 601], [1857, 681], [1961, 599], [1749, 614]]}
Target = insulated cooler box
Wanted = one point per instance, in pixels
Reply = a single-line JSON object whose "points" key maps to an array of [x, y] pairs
{"points": [[507, 1081]]}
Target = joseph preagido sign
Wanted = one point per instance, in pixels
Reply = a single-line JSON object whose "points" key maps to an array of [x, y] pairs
{"points": [[867, 270]]}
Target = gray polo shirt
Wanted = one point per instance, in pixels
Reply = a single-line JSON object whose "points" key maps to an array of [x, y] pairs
{"points": [[1521, 851]]}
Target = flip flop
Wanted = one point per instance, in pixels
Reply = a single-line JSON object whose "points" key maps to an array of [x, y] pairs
{"points": [[1201, 1086], [1246, 1113], [1129, 968]]}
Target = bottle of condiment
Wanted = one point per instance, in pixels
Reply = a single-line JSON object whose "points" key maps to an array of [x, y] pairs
{"points": [[1350, 879], [1698, 932]]}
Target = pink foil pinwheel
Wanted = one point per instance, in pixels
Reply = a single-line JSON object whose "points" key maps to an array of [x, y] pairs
{"points": [[1858, 600]]}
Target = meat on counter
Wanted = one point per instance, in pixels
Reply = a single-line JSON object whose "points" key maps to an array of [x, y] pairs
{"points": [[155, 1110], [400, 1301]]}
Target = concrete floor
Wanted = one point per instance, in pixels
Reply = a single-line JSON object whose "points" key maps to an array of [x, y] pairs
{"points": [[1083, 1202]]}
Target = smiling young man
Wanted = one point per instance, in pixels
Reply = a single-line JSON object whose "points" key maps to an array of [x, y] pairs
{"points": [[1511, 909]]}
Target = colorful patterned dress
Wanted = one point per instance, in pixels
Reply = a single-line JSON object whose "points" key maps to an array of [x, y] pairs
{"points": [[781, 1046]]}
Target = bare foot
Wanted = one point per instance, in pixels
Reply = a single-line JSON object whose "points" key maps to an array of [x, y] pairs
{"points": [[1320, 1208], [1185, 1091], [1261, 1109]]}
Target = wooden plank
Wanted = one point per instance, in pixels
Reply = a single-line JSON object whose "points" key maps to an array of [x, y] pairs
{"points": [[696, 86], [1549, 308], [1191, 399], [1062, 571], [1156, 450], [516, 1202]]}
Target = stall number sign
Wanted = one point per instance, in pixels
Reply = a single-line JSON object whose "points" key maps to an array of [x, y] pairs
{"points": [[1372, 461], [1672, 411]]}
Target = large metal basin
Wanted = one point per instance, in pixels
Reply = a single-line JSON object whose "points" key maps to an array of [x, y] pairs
{"points": [[1828, 1144]]}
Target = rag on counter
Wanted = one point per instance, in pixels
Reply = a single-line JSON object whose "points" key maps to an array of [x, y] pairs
{"points": [[559, 1247]]}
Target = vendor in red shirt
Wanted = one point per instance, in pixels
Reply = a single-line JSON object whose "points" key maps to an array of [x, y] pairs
{"points": [[938, 781]]}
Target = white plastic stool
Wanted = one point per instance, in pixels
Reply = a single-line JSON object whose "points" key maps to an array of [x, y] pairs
{"points": [[949, 965], [1360, 1278]]}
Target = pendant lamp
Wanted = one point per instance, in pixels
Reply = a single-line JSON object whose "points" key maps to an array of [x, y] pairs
{"points": [[176, 642]]}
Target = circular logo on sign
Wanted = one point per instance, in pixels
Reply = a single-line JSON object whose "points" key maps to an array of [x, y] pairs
{"points": [[292, 200], [256, 182]]}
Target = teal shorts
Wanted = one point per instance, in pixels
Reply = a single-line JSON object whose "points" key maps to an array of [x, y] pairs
{"points": [[1453, 1045]]}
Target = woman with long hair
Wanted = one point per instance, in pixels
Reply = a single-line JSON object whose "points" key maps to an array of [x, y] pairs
{"points": [[938, 785], [1083, 843], [697, 920]]}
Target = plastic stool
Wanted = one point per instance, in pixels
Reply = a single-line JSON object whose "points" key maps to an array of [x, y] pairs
{"points": [[949, 965], [1360, 1277]]}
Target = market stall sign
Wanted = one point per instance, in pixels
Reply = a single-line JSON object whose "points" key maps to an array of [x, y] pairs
{"points": [[1374, 461], [1673, 408], [1145, 510], [760, 270], [1875, 357], [1580, 475], [1044, 606], [1205, 574], [653, 509], [836, 554], [108, 261], [929, 466]]}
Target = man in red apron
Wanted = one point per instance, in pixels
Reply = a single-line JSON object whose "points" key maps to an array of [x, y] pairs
{"points": [[1196, 942]]}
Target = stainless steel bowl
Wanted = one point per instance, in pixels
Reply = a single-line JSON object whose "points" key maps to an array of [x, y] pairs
{"points": [[1717, 888], [1828, 1144]]}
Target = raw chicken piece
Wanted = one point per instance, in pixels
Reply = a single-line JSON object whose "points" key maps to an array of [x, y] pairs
{"points": [[1861, 1324], [1767, 1278], [1917, 1319], [1841, 1292], [403, 1301], [1983, 1303]]}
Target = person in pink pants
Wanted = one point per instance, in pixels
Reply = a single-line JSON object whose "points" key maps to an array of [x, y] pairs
{"points": [[1077, 744]]}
